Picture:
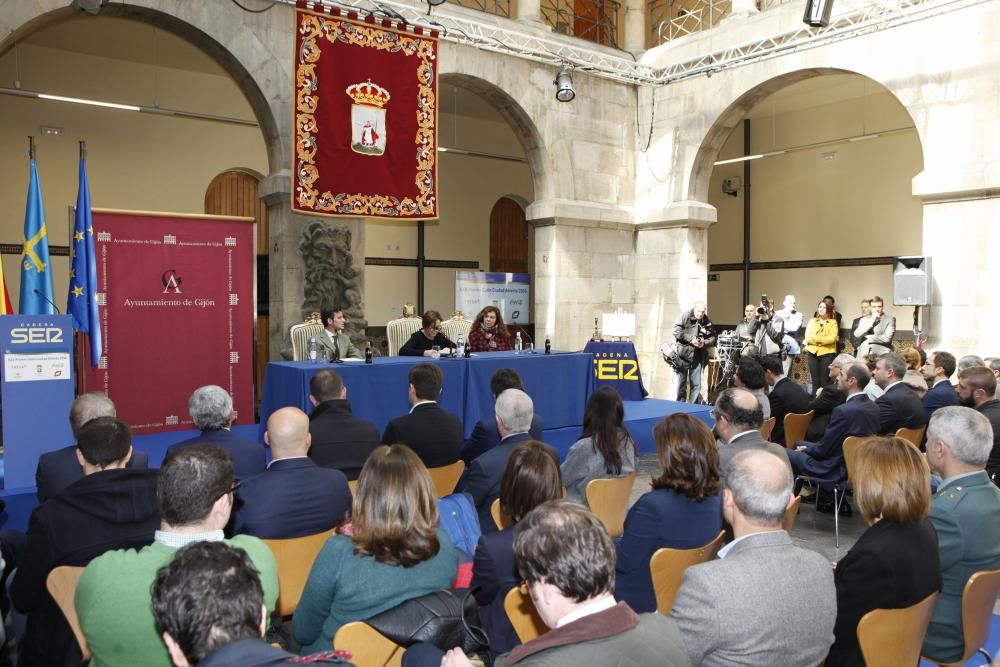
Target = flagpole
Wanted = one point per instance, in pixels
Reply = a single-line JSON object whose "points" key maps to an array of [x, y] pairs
{"points": [[78, 342], [31, 147]]}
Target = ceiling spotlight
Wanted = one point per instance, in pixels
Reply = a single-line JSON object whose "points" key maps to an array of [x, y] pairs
{"points": [[817, 13], [564, 85]]}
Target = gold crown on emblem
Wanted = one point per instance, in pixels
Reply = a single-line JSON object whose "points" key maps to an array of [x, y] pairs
{"points": [[369, 94]]}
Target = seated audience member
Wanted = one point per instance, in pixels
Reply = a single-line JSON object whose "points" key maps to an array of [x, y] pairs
{"points": [[111, 507], [937, 371], [738, 419], [894, 563], [58, 469], [977, 389], [514, 410], [913, 377], [764, 601], [195, 495], [294, 497], [857, 416], [683, 511], [567, 560], [422, 342], [397, 551], [993, 363], [488, 332], [530, 479], [873, 390], [899, 405], [964, 513], [434, 435], [785, 397], [211, 409], [605, 447], [208, 605], [339, 439], [970, 361], [828, 397], [333, 342], [750, 376], [485, 435]]}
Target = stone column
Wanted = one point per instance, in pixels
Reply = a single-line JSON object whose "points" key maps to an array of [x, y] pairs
{"points": [[635, 25], [528, 11]]}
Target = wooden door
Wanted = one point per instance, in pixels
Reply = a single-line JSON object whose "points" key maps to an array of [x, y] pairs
{"points": [[234, 192], [508, 237]]}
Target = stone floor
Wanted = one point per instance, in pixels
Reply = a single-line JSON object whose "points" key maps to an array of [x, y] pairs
{"points": [[811, 531]]}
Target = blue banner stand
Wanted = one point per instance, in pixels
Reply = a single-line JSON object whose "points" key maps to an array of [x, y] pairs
{"points": [[36, 381]]}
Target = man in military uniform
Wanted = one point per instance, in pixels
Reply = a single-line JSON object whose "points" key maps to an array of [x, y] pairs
{"points": [[964, 513]]}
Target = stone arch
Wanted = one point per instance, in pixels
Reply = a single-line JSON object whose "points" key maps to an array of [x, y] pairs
{"points": [[216, 33], [717, 134], [523, 126]]}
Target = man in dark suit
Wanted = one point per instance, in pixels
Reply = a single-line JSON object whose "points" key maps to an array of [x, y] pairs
{"points": [[738, 417], [964, 513], [514, 410], [435, 435], [827, 398], [857, 416], [339, 439], [294, 497], [485, 435], [976, 389], [785, 397], [111, 507], [211, 409], [866, 311], [58, 469], [937, 371], [899, 405]]}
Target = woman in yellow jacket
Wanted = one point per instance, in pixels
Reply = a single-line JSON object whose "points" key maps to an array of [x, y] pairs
{"points": [[821, 344]]}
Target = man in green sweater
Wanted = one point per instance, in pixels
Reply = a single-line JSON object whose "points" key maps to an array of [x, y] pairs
{"points": [[195, 494]]}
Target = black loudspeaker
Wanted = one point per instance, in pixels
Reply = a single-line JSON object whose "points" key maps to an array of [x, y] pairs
{"points": [[818, 13], [911, 281]]}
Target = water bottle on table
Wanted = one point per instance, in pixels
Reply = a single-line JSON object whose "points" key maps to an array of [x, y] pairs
{"points": [[518, 345]]}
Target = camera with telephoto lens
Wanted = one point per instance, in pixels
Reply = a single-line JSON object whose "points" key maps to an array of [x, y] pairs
{"points": [[765, 305]]}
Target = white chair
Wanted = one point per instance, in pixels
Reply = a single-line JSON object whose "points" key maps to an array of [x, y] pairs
{"points": [[456, 326], [399, 331], [301, 333]]}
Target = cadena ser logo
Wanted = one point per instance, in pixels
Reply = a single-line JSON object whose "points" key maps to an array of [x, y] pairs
{"points": [[35, 335], [171, 281], [616, 369]]}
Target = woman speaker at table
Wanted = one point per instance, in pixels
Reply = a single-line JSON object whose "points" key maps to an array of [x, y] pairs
{"points": [[488, 332], [422, 342]]}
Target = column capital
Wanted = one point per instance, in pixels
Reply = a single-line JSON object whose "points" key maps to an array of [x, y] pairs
{"points": [[680, 214], [580, 213]]}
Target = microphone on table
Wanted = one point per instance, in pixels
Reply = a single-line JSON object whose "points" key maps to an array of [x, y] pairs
{"points": [[530, 341], [47, 300]]}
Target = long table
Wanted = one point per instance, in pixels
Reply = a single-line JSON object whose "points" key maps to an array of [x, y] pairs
{"points": [[559, 384]]}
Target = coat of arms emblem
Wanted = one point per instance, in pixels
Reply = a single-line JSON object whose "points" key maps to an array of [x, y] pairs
{"points": [[368, 117]]}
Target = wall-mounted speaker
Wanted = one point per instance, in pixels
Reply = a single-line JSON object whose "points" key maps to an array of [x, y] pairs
{"points": [[911, 281]]}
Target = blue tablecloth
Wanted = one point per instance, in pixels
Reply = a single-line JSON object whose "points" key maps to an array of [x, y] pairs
{"points": [[558, 383], [616, 365]]}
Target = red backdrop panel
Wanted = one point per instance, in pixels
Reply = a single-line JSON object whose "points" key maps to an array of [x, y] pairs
{"points": [[177, 313], [351, 75]]}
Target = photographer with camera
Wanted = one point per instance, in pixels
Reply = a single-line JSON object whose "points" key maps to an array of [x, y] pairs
{"points": [[694, 333], [768, 329]]}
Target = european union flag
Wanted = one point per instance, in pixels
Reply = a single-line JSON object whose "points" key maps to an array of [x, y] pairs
{"points": [[82, 300], [36, 277]]}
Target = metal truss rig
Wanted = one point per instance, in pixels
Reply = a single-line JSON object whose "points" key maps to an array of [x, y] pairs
{"points": [[560, 51]]}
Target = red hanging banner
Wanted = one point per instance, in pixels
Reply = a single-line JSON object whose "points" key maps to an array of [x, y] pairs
{"points": [[365, 116]]}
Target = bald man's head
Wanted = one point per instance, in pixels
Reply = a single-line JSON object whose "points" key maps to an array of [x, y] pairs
{"points": [[761, 486], [288, 433]]}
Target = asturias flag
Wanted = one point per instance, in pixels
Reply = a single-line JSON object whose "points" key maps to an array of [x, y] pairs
{"points": [[36, 277], [82, 303]]}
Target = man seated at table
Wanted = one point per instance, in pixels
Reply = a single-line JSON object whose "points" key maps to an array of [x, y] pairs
{"points": [[423, 341], [334, 342], [485, 435], [211, 409], [339, 439], [435, 435]]}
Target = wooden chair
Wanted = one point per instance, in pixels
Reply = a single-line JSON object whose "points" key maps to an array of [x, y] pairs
{"points": [[399, 331], [608, 499], [850, 449], [455, 326], [912, 435], [301, 333], [294, 558], [795, 427], [767, 427], [61, 583], [499, 517], [368, 646], [523, 615], [792, 513], [978, 598], [445, 478], [893, 637], [667, 569]]}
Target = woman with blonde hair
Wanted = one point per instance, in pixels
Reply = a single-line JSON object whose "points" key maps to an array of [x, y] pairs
{"points": [[396, 551], [894, 564]]}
